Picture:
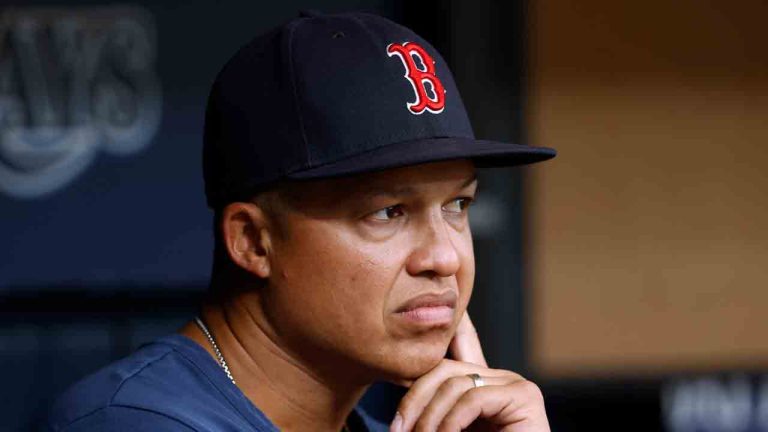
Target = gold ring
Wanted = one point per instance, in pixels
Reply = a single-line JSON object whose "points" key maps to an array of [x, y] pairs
{"points": [[477, 380]]}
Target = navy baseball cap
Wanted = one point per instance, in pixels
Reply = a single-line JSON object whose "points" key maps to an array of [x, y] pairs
{"points": [[333, 95]]}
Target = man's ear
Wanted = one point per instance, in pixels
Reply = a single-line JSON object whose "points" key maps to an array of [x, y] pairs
{"points": [[246, 237]]}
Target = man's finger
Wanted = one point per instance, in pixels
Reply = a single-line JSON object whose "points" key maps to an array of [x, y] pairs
{"points": [[446, 396], [407, 383], [514, 407], [465, 345], [423, 389]]}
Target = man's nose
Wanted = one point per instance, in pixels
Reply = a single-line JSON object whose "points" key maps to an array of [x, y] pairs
{"points": [[435, 254]]}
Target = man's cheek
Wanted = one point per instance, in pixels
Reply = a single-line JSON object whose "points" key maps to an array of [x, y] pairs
{"points": [[466, 276]]}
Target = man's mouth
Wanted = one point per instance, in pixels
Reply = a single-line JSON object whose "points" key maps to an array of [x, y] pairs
{"points": [[431, 309]]}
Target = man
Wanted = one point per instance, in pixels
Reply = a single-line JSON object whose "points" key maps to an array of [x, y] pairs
{"points": [[340, 165]]}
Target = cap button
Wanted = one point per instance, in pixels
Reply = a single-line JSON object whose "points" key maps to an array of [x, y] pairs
{"points": [[309, 13]]}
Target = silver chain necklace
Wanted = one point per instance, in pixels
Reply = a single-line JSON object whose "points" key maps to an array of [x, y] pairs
{"points": [[222, 362]]}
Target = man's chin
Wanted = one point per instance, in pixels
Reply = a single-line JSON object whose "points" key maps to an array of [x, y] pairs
{"points": [[406, 367]]}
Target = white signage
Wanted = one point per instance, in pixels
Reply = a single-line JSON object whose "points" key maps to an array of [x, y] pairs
{"points": [[737, 403], [73, 82]]}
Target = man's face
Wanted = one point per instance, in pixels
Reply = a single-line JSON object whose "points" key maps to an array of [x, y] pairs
{"points": [[374, 271]]}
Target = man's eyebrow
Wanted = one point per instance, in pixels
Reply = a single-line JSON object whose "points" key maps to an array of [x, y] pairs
{"points": [[403, 190], [469, 181]]}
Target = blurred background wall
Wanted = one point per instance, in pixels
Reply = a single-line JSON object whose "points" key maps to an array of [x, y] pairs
{"points": [[657, 208], [648, 238], [625, 276]]}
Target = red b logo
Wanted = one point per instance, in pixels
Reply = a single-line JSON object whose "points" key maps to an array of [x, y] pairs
{"points": [[420, 77]]}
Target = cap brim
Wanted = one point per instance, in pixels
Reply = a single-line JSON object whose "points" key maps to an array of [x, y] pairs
{"points": [[485, 154]]}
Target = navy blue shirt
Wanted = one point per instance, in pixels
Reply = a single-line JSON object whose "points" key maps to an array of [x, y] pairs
{"points": [[172, 384]]}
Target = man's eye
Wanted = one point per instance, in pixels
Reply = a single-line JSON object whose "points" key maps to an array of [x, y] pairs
{"points": [[387, 213], [458, 205]]}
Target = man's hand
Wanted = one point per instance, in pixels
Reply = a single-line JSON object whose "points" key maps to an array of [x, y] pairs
{"points": [[446, 399]]}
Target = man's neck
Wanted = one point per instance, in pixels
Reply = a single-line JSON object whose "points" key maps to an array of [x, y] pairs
{"points": [[293, 395]]}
